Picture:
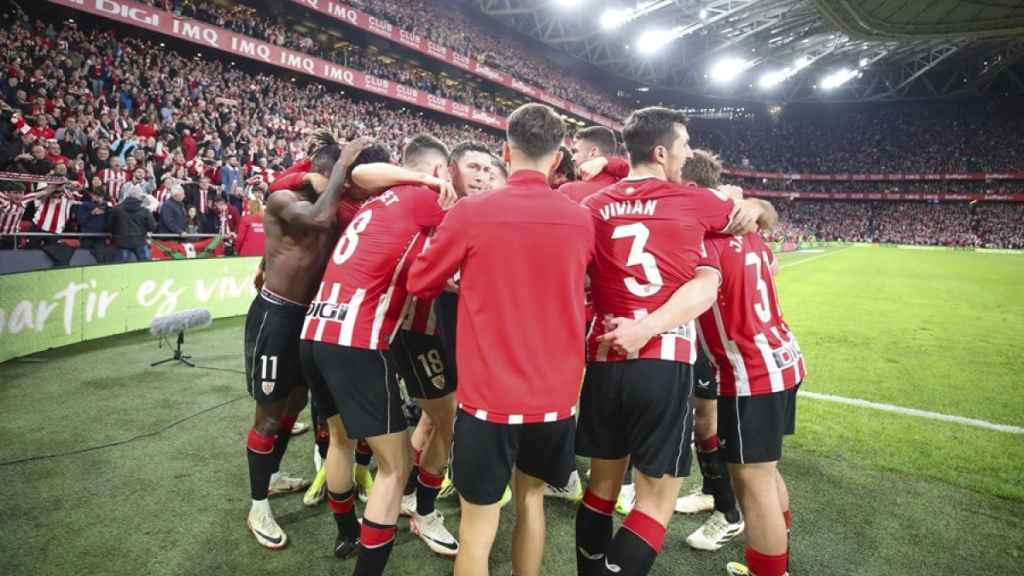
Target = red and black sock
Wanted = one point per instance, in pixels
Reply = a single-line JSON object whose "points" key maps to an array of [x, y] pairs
{"points": [[322, 439], [344, 514], [375, 542], [593, 533], [363, 453], [635, 547], [260, 453], [284, 434], [716, 478], [765, 565], [427, 487]]}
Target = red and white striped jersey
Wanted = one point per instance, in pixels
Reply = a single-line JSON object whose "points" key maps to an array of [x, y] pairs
{"points": [[745, 335], [649, 236], [114, 180], [11, 212], [363, 293], [52, 212]]}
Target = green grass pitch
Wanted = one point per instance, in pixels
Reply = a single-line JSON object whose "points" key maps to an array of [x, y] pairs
{"points": [[873, 492]]}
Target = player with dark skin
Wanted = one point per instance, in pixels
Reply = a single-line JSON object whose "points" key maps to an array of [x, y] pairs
{"points": [[301, 228]]}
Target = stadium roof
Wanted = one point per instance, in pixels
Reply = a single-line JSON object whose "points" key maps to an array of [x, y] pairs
{"points": [[787, 50]]}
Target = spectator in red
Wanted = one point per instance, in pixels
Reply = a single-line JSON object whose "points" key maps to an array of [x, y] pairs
{"points": [[189, 145], [251, 236]]}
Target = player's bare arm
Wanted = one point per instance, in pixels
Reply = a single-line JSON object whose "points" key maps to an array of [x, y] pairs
{"points": [[379, 176], [769, 218], [745, 217], [298, 212], [687, 303]]}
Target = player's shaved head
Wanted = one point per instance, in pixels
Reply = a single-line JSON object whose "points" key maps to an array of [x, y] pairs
{"points": [[704, 168], [535, 130], [423, 152]]}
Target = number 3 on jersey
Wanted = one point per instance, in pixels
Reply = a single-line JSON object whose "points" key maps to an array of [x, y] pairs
{"points": [[763, 307], [350, 239], [639, 232]]}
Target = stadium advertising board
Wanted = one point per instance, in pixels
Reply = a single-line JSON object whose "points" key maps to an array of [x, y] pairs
{"points": [[872, 177], [142, 16], [947, 196], [52, 308], [348, 15]]}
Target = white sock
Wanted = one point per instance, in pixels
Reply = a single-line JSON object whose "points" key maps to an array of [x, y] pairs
{"points": [[262, 506]]}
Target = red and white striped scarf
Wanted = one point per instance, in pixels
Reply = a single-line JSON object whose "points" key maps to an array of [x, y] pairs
{"points": [[11, 213]]}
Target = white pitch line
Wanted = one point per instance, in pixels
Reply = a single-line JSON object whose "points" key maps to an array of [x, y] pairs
{"points": [[805, 260], [915, 412]]}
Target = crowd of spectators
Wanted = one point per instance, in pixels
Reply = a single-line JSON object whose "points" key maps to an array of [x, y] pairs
{"points": [[123, 118], [247, 20], [143, 130], [998, 187], [961, 224], [446, 23], [931, 138]]}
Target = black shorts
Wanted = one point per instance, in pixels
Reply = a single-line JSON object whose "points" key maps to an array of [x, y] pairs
{"points": [[356, 383], [272, 330], [446, 309], [751, 427], [423, 365], [641, 409], [483, 454], [705, 380]]}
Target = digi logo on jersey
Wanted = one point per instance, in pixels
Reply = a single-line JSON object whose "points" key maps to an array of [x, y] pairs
{"points": [[686, 331], [327, 311], [786, 356]]}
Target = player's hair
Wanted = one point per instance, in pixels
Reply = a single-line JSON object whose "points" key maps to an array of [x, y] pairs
{"points": [[566, 167], [421, 144], [323, 150], [535, 130], [599, 136], [463, 147], [319, 139], [704, 168], [373, 153], [323, 161], [499, 164], [649, 128]]}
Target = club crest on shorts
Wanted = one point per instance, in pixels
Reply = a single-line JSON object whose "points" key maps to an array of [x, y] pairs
{"points": [[268, 387], [438, 381]]}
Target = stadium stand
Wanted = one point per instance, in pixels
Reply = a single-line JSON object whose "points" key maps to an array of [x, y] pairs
{"points": [[76, 98]]}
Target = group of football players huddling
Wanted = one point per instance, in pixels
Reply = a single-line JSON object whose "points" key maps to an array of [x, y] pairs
{"points": [[645, 280]]}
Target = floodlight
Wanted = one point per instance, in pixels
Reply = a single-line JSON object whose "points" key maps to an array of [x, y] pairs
{"points": [[772, 79], [651, 41], [837, 78], [802, 62], [612, 18], [727, 69], [863, 62], [703, 14]]}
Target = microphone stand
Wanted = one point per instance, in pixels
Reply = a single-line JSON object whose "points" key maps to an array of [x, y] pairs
{"points": [[178, 356]]}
